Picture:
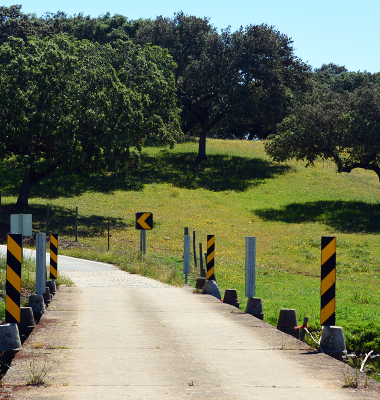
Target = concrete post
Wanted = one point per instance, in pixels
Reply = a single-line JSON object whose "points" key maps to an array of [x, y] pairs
{"points": [[40, 263], [250, 266]]}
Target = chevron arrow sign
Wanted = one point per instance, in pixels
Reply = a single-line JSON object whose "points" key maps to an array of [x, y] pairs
{"points": [[144, 220]]}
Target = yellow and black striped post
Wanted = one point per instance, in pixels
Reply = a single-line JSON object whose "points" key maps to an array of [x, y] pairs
{"points": [[13, 284], [53, 256], [328, 276], [210, 257]]}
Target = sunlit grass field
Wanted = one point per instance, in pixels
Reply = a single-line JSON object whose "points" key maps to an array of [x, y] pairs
{"points": [[238, 192]]}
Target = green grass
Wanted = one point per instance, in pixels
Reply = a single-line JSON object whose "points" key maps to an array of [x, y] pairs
{"points": [[238, 192]]}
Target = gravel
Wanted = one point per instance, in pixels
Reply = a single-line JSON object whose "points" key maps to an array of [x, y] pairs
{"points": [[113, 278]]}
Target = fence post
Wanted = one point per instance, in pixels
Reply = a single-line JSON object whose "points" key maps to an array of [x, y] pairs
{"points": [[47, 220], [108, 234], [40, 263], [250, 266], [186, 256], [76, 224], [328, 276]]}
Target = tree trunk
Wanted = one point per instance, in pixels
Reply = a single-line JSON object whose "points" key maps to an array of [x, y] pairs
{"points": [[24, 192], [202, 147], [202, 140], [31, 176]]}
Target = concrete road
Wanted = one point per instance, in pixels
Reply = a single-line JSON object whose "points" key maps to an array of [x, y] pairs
{"points": [[169, 343]]}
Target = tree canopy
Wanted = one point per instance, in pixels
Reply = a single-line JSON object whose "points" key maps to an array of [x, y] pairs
{"points": [[246, 79], [342, 126], [78, 104]]}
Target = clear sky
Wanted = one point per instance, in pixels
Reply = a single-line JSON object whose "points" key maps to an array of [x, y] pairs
{"points": [[345, 32]]}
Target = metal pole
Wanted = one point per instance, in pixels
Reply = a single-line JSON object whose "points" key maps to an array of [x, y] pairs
{"points": [[202, 271], [47, 220], [195, 251], [40, 263], [250, 266], [76, 224], [142, 240], [108, 233], [186, 256], [186, 231]]}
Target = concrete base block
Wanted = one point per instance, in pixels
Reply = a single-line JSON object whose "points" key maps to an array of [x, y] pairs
{"points": [[47, 296], [26, 324], [52, 287], [287, 322], [9, 337], [200, 283], [255, 307], [231, 297], [36, 302], [332, 342], [211, 287]]}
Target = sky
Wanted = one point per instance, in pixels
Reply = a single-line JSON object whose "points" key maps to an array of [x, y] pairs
{"points": [[345, 32]]}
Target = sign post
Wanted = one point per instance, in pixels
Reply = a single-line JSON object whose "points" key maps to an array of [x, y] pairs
{"points": [[144, 222]]}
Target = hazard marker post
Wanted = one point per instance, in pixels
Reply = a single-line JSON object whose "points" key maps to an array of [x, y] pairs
{"points": [[210, 264], [328, 277], [13, 282], [144, 222], [53, 256]]}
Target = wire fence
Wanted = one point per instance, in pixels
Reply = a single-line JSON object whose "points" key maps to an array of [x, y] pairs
{"points": [[68, 223]]}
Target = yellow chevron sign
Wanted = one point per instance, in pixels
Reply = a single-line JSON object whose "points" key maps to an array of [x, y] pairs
{"points": [[144, 220]]}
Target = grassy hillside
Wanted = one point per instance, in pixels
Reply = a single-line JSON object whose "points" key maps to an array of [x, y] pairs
{"points": [[238, 192]]}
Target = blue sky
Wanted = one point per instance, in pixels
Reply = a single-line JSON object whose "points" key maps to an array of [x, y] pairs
{"points": [[345, 32]]}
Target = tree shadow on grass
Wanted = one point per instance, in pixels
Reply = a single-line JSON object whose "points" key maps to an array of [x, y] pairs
{"points": [[218, 173], [344, 216], [61, 221]]}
